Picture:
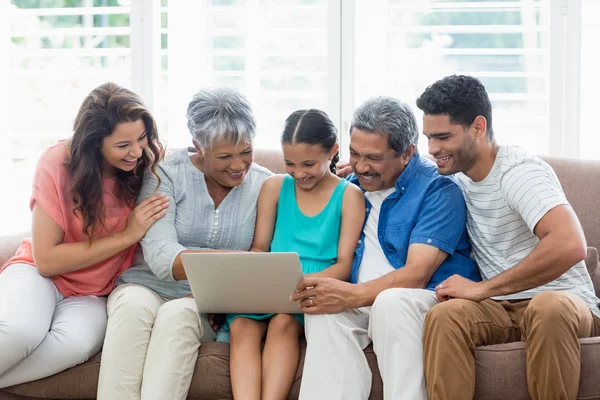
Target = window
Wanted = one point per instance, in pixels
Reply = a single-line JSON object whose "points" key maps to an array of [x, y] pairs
{"points": [[536, 57], [274, 51], [404, 45], [589, 139]]}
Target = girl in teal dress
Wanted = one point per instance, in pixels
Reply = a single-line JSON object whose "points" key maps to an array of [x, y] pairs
{"points": [[309, 211]]}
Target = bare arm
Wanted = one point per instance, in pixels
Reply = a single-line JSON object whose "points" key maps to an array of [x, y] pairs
{"points": [[353, 217], [562, 245], [53, 257], [266, 213], [421, 263], [179, 272]]}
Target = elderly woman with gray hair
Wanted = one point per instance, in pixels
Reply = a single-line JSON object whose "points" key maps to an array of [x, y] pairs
{"points": [[154, 329]]}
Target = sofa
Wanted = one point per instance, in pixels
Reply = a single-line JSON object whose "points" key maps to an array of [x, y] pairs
{"points": [[500, 369]]}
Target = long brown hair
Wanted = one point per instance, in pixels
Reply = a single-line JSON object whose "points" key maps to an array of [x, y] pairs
{"points": [[102, 110]]}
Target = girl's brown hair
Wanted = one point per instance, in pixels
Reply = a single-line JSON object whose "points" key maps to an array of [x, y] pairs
{"points": [[102, 110]]}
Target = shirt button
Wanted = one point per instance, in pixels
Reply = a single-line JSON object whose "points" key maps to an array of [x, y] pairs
{"points": [[366, 209], [216, 223], [428, 240], [402, 187], [217, 211], [359, 241]]}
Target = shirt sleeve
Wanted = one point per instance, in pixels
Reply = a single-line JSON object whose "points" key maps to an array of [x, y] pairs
{"points": [[160, 245], [531, 190], [46, 187], [442, 218]]}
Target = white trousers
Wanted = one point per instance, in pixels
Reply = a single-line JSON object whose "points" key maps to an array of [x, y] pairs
{"points": [[151, 345], [335, 366], [41, 332]]}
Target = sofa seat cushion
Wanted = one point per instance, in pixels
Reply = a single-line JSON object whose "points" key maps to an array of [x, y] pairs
{"points": [[501, 371], [79, 382]]}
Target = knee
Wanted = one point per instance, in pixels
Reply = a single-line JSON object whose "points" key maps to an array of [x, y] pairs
{"points": [[318, 322], [396, 300], [85, 344], [179, 316], [284, 325], [83, 339], [241, 327], [246, 332], [548, 309]]}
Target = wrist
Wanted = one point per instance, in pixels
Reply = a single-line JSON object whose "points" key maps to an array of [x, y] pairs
{"points": [[356, 295], [125, 237], [485, 289]]}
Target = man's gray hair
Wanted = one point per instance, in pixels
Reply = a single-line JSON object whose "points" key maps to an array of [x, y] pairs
{"points": [[387, 115], [218, 114]]}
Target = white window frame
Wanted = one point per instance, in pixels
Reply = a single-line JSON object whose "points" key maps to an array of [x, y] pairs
{"points": [[565, 77], [145, 42]]}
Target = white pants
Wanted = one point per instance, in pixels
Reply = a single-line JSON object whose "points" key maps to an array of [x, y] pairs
{"points": [[41, 332], [335, 366], [151, 345]]}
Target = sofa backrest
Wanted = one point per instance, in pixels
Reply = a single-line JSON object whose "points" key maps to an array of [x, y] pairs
{"points": [[580, 180], [270, 159]]}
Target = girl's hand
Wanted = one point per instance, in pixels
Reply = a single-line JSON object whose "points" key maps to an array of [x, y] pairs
{"points": [[216, 320], [144, 215]]}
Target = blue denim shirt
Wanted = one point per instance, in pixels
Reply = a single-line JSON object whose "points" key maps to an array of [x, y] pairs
{"points": [[427, 208]]}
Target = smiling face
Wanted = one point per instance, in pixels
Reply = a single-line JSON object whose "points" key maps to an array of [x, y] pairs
{"points": [[307, 163], [452, 145], [376, 165], [123, 148], [227, 163]]}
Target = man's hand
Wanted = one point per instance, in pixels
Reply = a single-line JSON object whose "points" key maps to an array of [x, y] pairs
{"points": [[343, 169], [457, 287], [323, 295]]}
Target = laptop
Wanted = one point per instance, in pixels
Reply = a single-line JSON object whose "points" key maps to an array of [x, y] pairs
{"points": [[243, 282]]}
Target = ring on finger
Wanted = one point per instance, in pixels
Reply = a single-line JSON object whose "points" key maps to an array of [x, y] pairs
{"points": [[312, 303]]}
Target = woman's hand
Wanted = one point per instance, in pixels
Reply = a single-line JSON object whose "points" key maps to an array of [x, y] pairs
{"points": [[144, 215]]}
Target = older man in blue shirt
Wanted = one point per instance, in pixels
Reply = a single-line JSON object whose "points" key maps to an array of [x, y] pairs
{"points": [[413, 238]]}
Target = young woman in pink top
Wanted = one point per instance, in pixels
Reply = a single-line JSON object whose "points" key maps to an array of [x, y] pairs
{"points": [[85, 229]]}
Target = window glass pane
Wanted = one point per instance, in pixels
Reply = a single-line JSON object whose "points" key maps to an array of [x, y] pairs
{"points": [[404, 45], [273, 51], [58, 51], [589, 140]]}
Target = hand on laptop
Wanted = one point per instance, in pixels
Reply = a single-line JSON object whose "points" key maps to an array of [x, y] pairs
{"points": [[322, 295]]}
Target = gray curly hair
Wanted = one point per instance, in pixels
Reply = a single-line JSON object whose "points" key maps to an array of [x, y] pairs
{"points": [[217, 114]]}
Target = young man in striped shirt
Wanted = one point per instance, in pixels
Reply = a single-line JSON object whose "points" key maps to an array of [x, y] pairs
{"points": [[528, 244]]}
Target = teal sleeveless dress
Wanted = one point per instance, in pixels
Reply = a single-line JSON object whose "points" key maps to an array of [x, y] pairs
{"points": [[315, 239]]}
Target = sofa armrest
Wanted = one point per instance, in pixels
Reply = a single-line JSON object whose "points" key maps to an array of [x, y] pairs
{"points": [[9, 245]]}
